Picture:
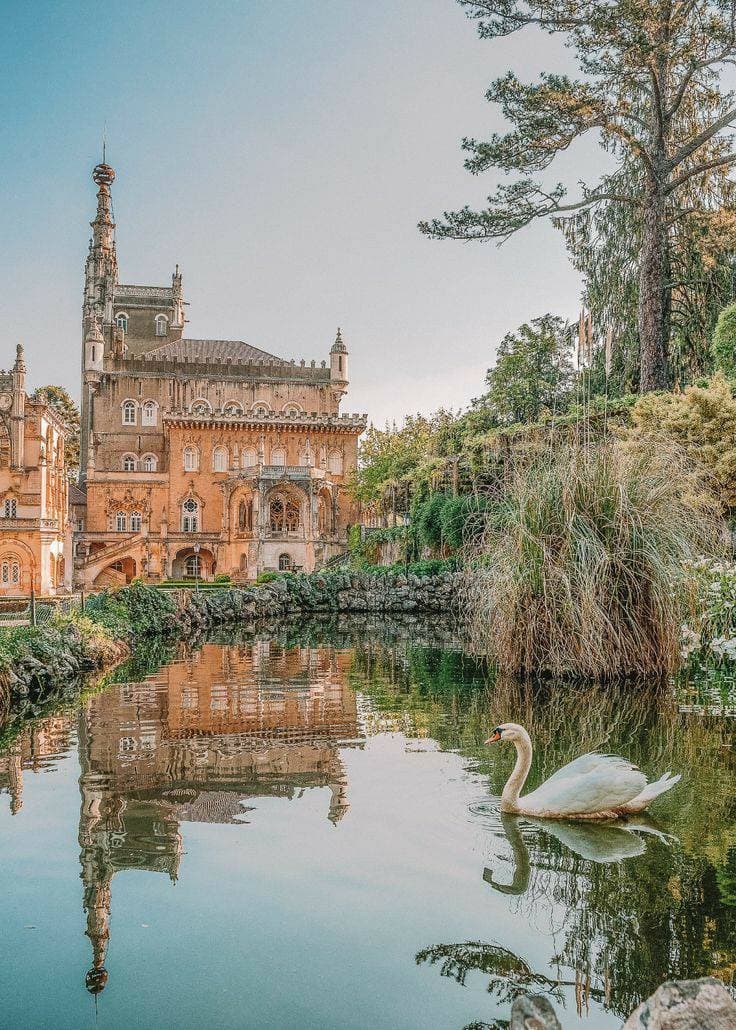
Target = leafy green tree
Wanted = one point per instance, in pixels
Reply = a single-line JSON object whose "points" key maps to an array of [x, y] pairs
{"points": [[60, 399], [724, 341], [533, 371], [647, 69]]}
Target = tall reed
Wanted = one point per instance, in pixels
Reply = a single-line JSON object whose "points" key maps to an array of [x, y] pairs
{"points": [[582, 566]]}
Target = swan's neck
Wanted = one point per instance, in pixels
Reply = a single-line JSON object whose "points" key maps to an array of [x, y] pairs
{"points": [[517, 779]]}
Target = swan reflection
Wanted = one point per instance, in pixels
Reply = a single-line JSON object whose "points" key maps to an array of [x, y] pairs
{"points": [[603, 843]]}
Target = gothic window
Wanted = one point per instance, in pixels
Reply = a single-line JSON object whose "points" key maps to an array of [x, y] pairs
{"points": [[10, 508], [148, 413], [121, 321], [10, 571], [248, 459], [193, 566], [278, 456], [130, 463], [162, 325], [219, 459], [233, 408], [136, 521], [121, 522], [149, 462], [304, 459], [129, 413], [284, 562], [201, 407], [190, 516], [284, 515], [335, 463], [260, 409], [191, 459]]}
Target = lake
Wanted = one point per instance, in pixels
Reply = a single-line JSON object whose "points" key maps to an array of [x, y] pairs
{"points": [[301, 829]]}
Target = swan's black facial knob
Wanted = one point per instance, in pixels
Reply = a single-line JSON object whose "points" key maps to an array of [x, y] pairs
{"points": [[495, 736]]}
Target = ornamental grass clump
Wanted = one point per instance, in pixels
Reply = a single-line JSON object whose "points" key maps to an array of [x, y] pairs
{"points": [[583, 567]]}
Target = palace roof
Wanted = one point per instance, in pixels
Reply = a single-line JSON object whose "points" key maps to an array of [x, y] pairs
{"points": [[213, 351]]}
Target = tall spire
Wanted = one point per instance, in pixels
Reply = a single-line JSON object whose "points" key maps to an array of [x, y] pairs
{"points": [[103, 225]]}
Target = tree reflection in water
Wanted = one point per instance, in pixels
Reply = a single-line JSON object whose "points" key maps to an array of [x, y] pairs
{"points": [[638, 903]]}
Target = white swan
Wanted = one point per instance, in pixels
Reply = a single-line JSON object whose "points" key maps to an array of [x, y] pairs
{"points": [[592, 787]]}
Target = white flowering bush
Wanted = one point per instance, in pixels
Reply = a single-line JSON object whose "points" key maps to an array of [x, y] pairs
{"points": [[712, 632]]}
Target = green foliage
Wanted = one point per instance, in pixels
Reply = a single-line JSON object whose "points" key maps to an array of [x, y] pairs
{"points": [[533, 371], [724, 342], [133, 610], [701, 420], [222, 577], [268, 577], [462, 519], [428, 521], [367, 552]]}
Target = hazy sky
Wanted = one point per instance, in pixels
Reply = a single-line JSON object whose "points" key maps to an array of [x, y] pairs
{"points": [[282, 153]]}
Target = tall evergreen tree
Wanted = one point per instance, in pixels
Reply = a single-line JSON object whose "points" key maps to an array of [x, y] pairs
{"points": [[651, 90]]}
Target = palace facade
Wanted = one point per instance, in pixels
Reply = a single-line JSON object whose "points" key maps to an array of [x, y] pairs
{"points": [[200, 457], [35, 534]]}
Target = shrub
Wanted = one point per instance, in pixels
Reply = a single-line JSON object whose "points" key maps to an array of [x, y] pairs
{"points": [[268, 577], [428, 520], [462, 519], [702, 420], [582, 567], [723, 347], [222, 577]]}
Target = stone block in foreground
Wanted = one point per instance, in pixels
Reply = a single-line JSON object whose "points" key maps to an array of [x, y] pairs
{"points": [[686, 1005]]}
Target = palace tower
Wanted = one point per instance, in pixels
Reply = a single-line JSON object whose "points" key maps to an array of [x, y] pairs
{"points": [[200, 456]]}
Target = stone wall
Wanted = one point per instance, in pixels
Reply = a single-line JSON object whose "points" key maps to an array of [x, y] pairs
{"points": [[389, 593]]}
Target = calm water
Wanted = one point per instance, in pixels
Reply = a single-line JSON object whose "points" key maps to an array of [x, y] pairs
{"points": [[302, 831]]}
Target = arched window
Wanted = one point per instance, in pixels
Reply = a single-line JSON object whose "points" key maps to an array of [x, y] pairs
{"points": [[136, 522], [10, 570], [149, 462], [219, 459], [191, 459], [162, 325], [148, 413], [304, 459], [292, 409], [121, 522], [129, 413], [201, 407], [283, 515], [193, 566], [121, 321], [260, 409], [334, 463], [10, 508], [248, 458], [278, 456], [130, 463], [284, 562], [233, 408], [190, 516]]}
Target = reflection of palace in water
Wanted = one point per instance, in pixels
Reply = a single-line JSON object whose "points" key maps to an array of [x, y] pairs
{"points": [[32, 751], [191, 745]]}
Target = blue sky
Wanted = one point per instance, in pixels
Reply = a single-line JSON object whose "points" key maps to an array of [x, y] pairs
{"points": [[282, 153]]}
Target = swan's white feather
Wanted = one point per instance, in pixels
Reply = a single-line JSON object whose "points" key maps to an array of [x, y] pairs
{"points": [[592, 783]]}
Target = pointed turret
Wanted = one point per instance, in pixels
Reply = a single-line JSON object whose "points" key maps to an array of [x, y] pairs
{"points": [[339, 363]]}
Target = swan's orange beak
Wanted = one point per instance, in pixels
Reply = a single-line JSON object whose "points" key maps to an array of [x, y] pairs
{"points": [[494, 737]]}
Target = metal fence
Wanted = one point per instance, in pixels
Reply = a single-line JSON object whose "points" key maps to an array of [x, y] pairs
{"points": [[37, 611]]}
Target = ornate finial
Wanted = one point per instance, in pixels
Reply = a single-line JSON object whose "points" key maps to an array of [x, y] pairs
{"points": [[338, 345], [103, 174], [20, 364]]}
